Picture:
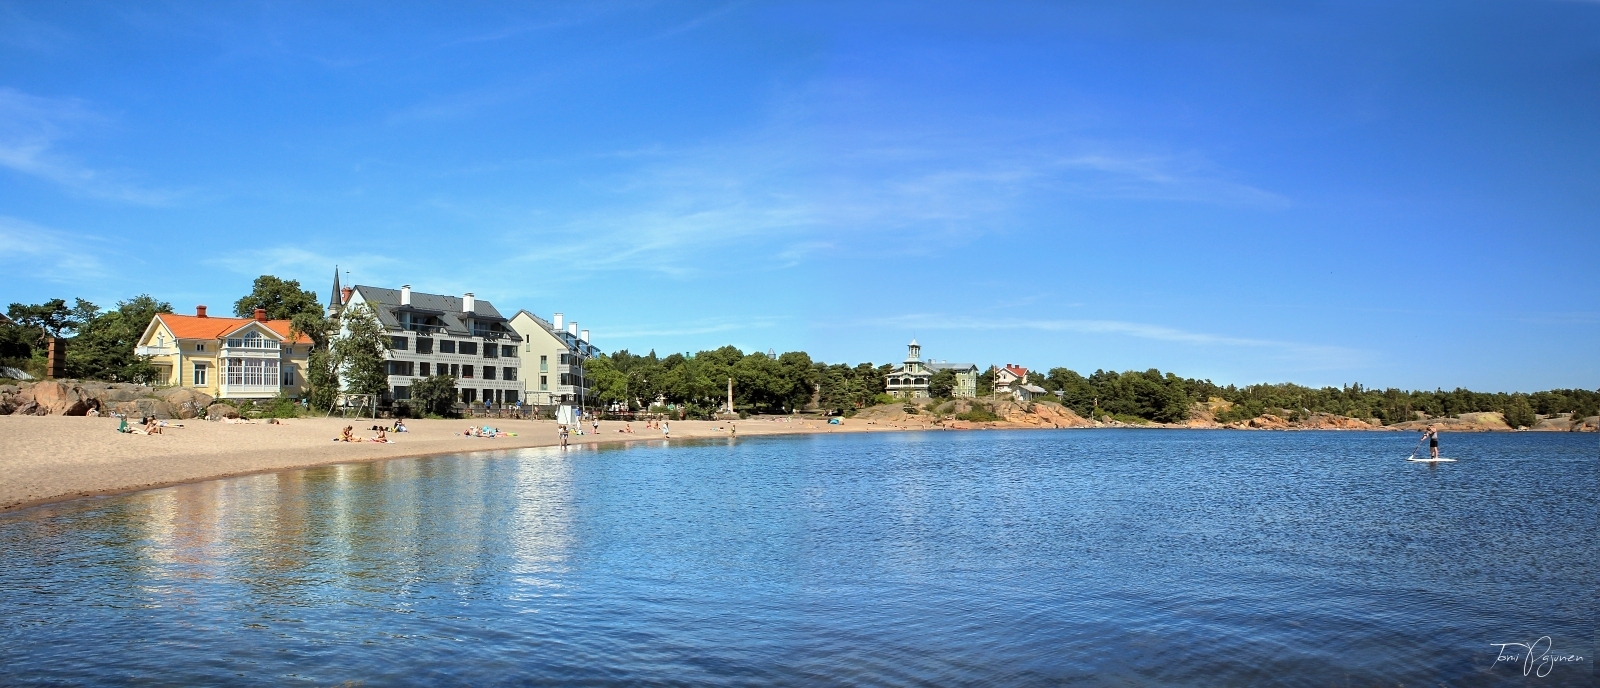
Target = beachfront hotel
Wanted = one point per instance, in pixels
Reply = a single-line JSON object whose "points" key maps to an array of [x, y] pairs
{"points": [[227, 358], [553, 352], [433, 334]]}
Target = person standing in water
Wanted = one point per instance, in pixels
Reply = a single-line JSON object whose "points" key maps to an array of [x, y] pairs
{"points": [[563, 433], [1432, 435]]}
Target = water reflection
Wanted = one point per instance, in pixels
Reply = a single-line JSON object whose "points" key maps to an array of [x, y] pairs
{"points": [[987, 558]]}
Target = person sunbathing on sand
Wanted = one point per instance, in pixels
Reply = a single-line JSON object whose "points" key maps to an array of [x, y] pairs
{"points": [[347, 435], [153, 427], [400, 426], [381, 436]]}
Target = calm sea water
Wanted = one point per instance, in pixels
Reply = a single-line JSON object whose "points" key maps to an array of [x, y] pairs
{"points": [[946, 558]]}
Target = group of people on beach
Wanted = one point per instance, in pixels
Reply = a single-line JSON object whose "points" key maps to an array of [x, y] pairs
{"points": [[380, 435], [485, 431]]}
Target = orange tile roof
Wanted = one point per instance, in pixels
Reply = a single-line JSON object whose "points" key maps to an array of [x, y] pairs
{"points": [[195, 327]]}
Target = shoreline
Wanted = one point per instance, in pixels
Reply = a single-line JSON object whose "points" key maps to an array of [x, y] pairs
{"points": [[50, 459]]}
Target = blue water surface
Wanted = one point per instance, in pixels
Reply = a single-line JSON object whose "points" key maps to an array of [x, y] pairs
{"points": [[1101, 557]]}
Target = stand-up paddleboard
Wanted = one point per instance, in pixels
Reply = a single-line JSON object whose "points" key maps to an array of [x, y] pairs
{"points": [[1438, 460]]}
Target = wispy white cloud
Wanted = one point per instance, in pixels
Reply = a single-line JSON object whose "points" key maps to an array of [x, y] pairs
{"points": [[789, 193], [31, 127], [625, 331], [49, 254], [1314, 354]]}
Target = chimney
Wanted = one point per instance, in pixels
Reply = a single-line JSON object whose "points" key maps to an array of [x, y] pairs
{"points": [[556, 323], [584, 335], [261, 315], [572, 328], [199, 311], [344, 295], [405, 294], [469, 303]]}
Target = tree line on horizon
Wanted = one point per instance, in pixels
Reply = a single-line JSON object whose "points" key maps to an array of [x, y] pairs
{"points": [[794, 380], [101, 345]]}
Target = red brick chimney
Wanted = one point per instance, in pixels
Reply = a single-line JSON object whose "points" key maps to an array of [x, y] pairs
{"points": [[261, 314], [199, 311], [344, 295]]}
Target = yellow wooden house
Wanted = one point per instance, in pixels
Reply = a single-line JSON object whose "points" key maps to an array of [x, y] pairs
{"points": [[227, 358]]}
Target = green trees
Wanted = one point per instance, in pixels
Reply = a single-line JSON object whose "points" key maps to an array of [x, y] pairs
{"points": [[52, 318], [358, 354], [434, 395], [1519, 413], [322, 375], [100, 344], [104, 346], [942, 384], [608, 384], [282, 299]]}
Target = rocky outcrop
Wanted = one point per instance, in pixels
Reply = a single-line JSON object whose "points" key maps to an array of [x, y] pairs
{"points": [[68, 398], [1328, 421], [186, 403], [54, 398], [1487, 421], [221, 411]]}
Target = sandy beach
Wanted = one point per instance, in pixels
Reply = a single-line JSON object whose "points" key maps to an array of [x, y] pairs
{"points": [[52, 458]]}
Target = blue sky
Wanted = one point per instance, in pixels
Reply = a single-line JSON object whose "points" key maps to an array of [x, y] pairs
{"points": [[1401, 194]]}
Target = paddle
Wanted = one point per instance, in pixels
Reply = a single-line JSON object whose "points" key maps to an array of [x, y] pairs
{"points": [[1419, 446]]}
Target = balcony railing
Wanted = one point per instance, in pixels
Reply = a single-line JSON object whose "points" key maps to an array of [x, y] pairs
{"points": [[155, 350]]}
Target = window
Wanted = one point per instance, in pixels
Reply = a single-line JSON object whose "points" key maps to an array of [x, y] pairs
{"points": [[252, 340], [397, 343], [455, 370], [491, 351], [200, 374], [544, 383], [447, 346], [402, 393], [508, 373], [508, 351], [422, 369], [544, 364], [401, 368], [488, 396], [469, 395], [258, 372], [200, 347], [488, 372], [466, 371], [424, 345], [511, 396], [467, 348], [288, 375]]}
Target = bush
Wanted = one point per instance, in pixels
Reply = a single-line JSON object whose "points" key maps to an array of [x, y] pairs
{"points": [[884, 398], [978, 414], [280, 407], [434, 395]]}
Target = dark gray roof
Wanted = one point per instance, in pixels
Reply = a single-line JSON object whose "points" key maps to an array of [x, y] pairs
{"points": [[386, 301], [950, 366]]}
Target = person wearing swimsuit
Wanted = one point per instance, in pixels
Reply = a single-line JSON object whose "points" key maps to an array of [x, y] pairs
{"points": [[1433, 442]]}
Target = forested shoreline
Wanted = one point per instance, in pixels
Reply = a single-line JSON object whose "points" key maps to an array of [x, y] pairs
{"points": [[101, 347], [793, 380]]}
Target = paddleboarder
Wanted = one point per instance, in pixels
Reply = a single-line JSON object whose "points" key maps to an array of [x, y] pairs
{"points": [[1432, 435]]}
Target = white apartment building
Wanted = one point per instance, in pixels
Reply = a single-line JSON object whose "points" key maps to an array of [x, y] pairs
{"points": [[432, 334], [553, 352]]}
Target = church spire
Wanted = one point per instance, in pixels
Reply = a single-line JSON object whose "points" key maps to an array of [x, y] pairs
{"points": [[334, 302]]}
